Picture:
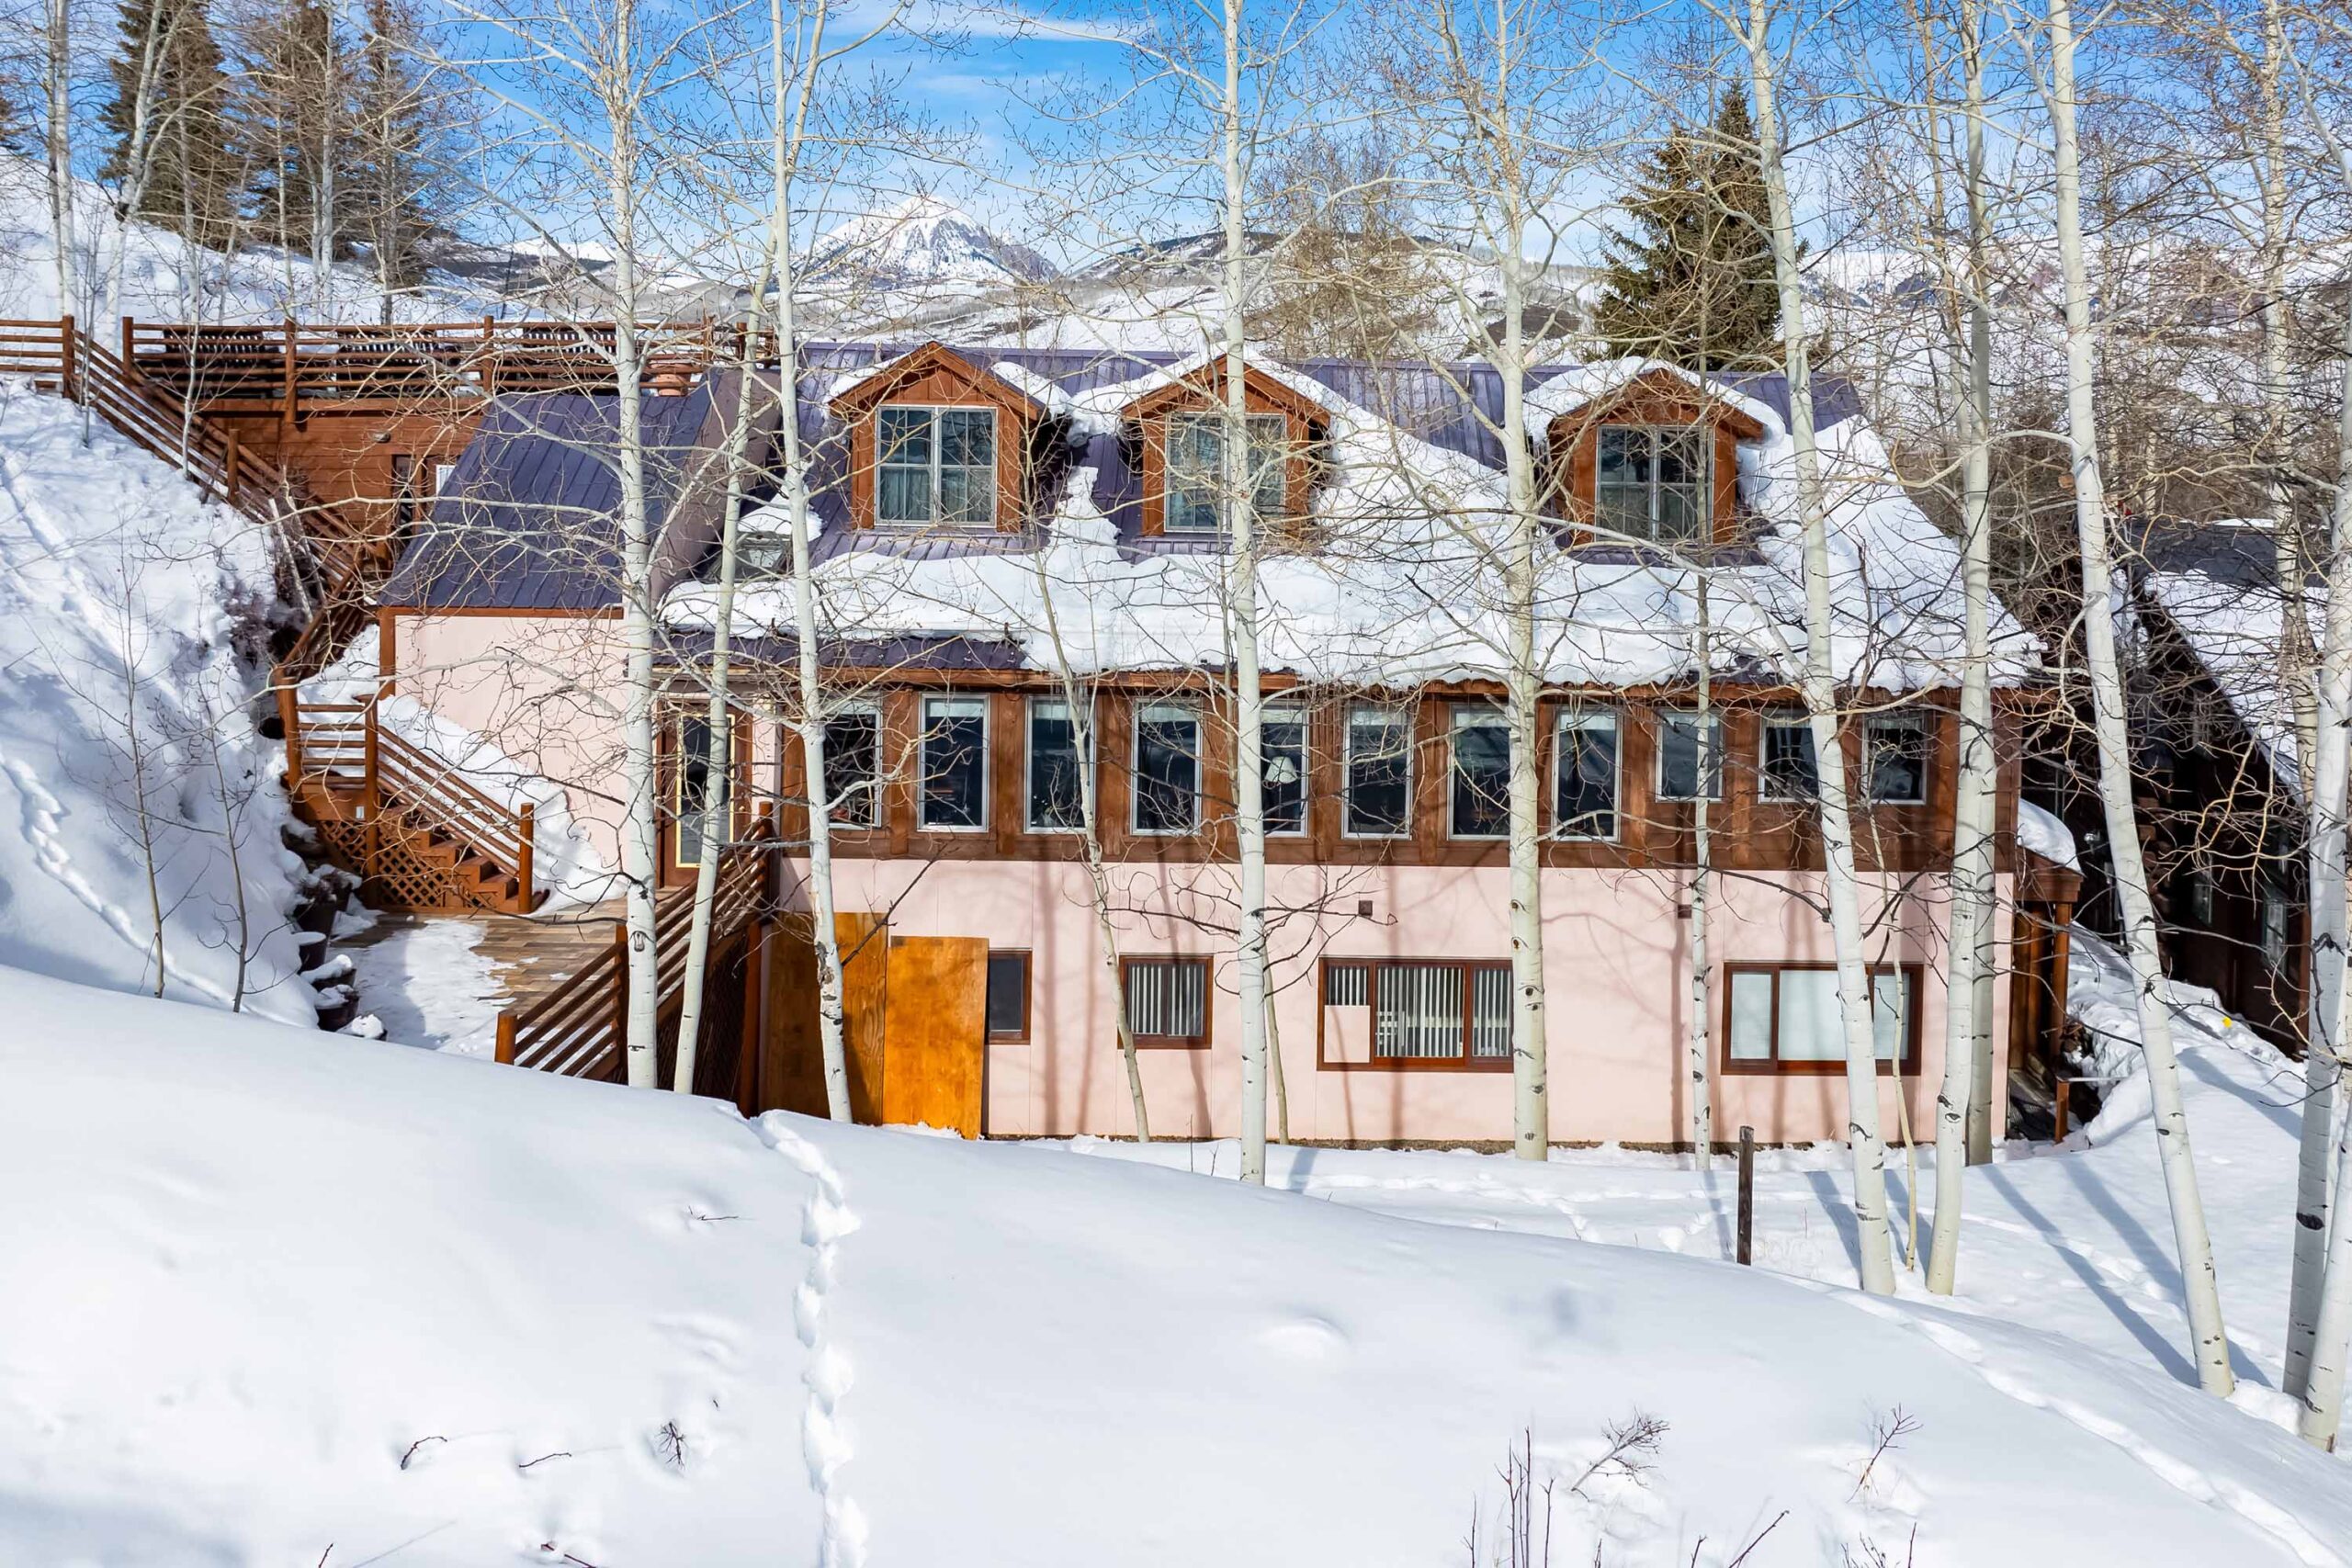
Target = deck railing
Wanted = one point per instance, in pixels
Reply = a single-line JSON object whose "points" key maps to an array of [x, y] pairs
{"points": [[578, 1030]]}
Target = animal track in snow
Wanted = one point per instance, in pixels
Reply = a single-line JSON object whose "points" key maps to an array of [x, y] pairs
{"points": [[824, 1441]]}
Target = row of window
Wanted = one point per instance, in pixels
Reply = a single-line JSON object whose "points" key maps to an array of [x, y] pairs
{"points": [[935, 467], [1405, 1014], [1377, 767]]}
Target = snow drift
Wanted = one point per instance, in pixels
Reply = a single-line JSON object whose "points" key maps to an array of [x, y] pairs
{"points": [[333, 1300]]}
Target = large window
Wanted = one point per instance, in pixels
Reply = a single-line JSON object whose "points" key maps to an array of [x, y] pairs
{"points": [[691, 790], [1787, 1019], [1195, 483], [854, 766], [1584, 775], [1895, 758], [1008, 996], [1056, 801], [1689, 762], [1168, 768], [956, 763], [1380, 772], [1281, 746], [1650, 481], [1789, 771], [1167, 1000], [1479, 807], [1408, 1013], [936, 465]]}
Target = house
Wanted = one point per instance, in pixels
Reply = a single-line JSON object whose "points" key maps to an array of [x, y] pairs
{"points": [[1015, 548]]}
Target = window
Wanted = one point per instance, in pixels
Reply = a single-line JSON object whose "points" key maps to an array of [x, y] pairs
{"points": [[690, 791], [1380, 772], [1787, 1019], [2273, 915], [1650, 481], [1689, 767], [1788, 772], [1584, 775], [1168, 768], [955, 763], [935, 466], [1195, 456], [1056, 801], [1895, 758], [1481, 792], [2196, 896], [1281, 746], [1008, 1004], [854, 767], [1167, 1000], [1415, 1014]]}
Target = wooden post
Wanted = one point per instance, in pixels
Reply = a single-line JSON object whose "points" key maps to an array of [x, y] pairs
{"points": [[525, 852], [292, 409], [1746, 1191], [489, 356], [2065, 1091], [129, 360], [371, 797], [289, 722], [66, 337], [506, 1046], [228, 466]]}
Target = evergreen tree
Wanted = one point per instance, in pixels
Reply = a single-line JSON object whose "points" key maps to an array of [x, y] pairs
{"points": [[399, 175], [297, 114], [1695, 286], [172, 161]]}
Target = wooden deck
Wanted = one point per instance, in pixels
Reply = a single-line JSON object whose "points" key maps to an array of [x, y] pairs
{"points": [[531, 955]]}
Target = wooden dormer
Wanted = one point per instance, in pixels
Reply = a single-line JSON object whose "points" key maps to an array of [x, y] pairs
{"points": [[1200, 395], [961, 399], [1666, 424]]}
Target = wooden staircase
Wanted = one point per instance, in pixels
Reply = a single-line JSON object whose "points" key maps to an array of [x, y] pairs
{"points": [[418, 835]]}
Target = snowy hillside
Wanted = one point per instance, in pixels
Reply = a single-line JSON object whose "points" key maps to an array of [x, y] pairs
{"points": [[134, 791], [334, 1300]]}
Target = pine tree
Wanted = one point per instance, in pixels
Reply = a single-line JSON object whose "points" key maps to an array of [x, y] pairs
{"points": [[298, 113], [1695, 287], [398, 173], [173, 159]]}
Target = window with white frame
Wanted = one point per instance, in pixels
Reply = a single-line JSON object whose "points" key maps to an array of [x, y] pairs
{"points": [[1787, 1019], [854, 766], [2273, 917], [1195, 482], [1689, 756], [1478, 804], [1167, 768], [1895, 758], [1650, 481], [1379, 772], [935, 466], [1584, 773], [955, 764], [1055, 791], [1282, 750], [1788, 772]]}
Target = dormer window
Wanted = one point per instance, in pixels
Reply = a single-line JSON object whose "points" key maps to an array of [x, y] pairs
{"points": [[1650, 482], [1196, 481], [935, 467]]}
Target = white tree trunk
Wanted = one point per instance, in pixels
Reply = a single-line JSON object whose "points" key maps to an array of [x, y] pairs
{"points": [[1242, 602], [1700, 1035], [1820, 686], [2199, 1286], [1972, 869], [58, 144]]}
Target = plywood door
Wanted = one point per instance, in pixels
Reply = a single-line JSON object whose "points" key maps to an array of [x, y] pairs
{"points": [[866, 999], [936, 1049], [792, 1067]]}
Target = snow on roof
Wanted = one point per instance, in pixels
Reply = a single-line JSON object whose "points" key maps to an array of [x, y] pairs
{"points": [[2218, 585], [1402, 587]]}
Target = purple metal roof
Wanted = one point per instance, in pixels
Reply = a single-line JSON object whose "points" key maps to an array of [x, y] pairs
{"points": [[527, 519]]}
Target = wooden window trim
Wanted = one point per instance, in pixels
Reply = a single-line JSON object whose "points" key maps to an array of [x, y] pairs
{"points": [[1203, 392], [934, 524], [1915, 975], [1655, 398], [936, 376], [1465, 1062], [1028, 993], [671, 778], [1130, 960]]}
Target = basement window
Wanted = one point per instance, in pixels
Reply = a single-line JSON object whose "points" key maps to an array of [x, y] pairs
{"points": [[1167, 1001], [1786, 1017], [1410, 1014]]}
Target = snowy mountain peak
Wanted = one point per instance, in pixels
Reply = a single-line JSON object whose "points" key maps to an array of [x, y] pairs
{"points": [[925, 239]]}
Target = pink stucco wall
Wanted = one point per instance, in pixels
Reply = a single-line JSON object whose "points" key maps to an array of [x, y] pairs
{"points": [[1616, 948]]}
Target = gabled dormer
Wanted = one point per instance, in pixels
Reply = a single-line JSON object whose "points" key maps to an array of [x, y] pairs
{"points": [[936, 442], [1182, 427], [1654, 460]]}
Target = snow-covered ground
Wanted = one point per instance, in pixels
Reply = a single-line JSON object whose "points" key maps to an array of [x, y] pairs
{"points": [[312, 1301], [423, 982], [125, 726]]}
